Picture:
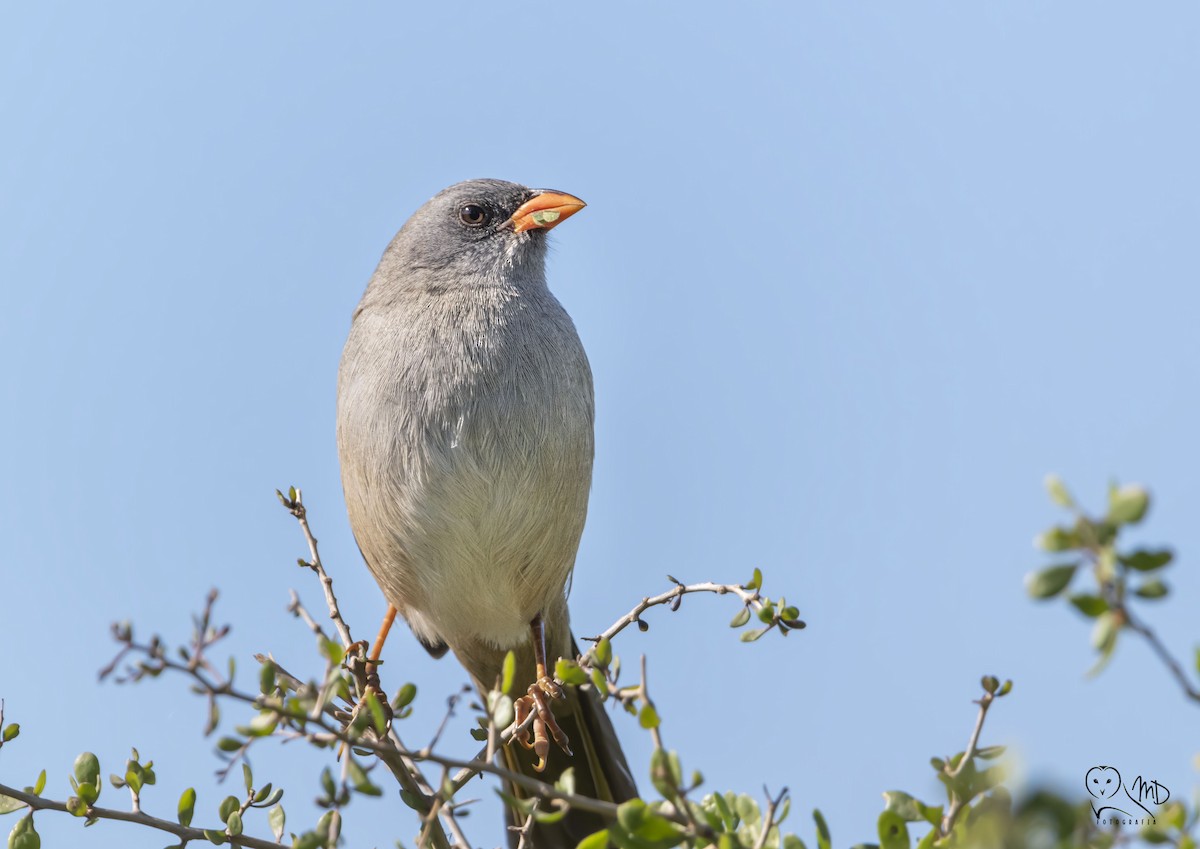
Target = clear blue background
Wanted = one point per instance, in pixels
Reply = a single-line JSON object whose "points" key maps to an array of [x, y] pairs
{"points": [[853, 278]]}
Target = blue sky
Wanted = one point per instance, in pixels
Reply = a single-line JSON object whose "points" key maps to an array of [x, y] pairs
{"points": [[853, 278]]}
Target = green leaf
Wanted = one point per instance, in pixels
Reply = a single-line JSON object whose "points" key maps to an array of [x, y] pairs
{"points": [[277, 819], [379, 720], [753, 634], [566, 781], [569, 672], [824, 841], [595, 840], [1127, 505], [903, 804], [740, 618], [217, 838], [1151, 589], [1147, 560], [247, 776], [332, 650], [1090, 606], [24, 835], [990, 683], [266, 677], [603, 652], [508, 672], [648, 717], [87, 769], [9, 804], [10, 732], [755, 583], [665, 773], [234, 824], [893, 831], [989, 752], [1057, 539], [1051, 581], [228, 805], [187, 807], [404, 698], [1058, 491], [39, 785], [600, 683], [1104, 638]]}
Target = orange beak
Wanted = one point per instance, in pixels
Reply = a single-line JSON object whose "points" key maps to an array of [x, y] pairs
{"points": [[544, 210]]}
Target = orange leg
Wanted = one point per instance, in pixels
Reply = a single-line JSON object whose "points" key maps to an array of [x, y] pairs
{"points": [[537, 701]]}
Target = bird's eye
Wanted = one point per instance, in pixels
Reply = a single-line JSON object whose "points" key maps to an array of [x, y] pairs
{"points": [[473, 215]]}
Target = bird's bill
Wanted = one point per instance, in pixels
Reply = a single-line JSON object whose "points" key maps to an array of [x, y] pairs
{"points": [[544, 210]]}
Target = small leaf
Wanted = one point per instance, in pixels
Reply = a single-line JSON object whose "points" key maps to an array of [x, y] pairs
{"points": [[740, 618], [247, 776], [990, 683], [9, 804], [24, 835], [903, 804], [569, 672], [187, 807], [87, 769], [1147, 560], [229, 744], [648, 717], [603, 652], [1058, 491], [10, 732], [824, 841], [1051, 581], [989, 752], [566, 781], [753, 634], [755, 583], [266, 678], [217, 838], [234, 824], [1090, 606], [508, 672], [1057, 539], [277, 819], [404, 698], [39, 785], [1152, 589], [1127, 505], [595, 840], [228, 805], [893, 831]]}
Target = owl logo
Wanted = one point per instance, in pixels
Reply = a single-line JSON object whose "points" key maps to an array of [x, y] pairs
{"points": [[1102, 782]]}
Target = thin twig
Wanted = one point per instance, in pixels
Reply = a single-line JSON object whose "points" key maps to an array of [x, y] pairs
{"points": [[768, 819], [749, 597], [957, 802], [296, 508], [1164, 655]]}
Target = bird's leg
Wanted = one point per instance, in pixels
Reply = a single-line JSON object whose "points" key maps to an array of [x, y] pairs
{"points": [[541, 691], [372, 671]]}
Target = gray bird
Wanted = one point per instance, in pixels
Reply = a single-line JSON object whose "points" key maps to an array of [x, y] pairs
{"points": [[464, 428]]}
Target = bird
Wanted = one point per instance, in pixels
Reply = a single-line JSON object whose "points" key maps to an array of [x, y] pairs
{"points": [[465, 432]]}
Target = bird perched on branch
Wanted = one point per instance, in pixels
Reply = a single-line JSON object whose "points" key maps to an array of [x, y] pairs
{"points": [[465, 436]]}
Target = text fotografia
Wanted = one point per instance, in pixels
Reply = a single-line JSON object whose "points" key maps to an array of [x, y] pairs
{"points": [[1105, 786]]}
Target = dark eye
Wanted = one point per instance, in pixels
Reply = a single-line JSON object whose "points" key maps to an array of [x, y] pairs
{"points": [[473, 215]]}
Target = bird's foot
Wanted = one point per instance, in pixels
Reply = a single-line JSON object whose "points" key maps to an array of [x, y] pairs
{"points": [[545, 726]]}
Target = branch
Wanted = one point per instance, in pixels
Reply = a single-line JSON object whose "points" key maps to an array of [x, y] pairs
{"points": [[294, 503], [750, 598], [1165, 656], [185, 833], [957, 802]]}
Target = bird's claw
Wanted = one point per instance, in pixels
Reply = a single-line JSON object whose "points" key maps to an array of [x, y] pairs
{"points": [[545, 726]]}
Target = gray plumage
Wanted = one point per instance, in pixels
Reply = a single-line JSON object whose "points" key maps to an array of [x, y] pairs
{"points": [[465, 434]]}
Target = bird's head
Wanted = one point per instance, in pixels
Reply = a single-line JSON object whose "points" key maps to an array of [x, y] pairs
{"points": [[478, 233]]}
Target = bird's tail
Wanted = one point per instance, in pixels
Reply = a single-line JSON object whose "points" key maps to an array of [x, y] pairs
{"points": [[599, 764]]}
